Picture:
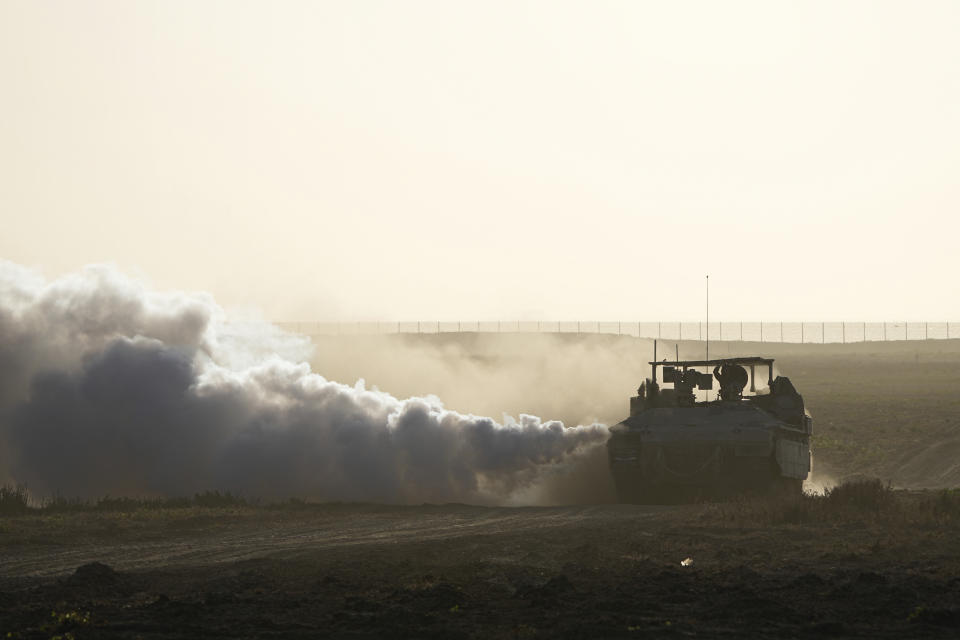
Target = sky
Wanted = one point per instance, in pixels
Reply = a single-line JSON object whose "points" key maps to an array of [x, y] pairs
{"points": [[362, 160]]}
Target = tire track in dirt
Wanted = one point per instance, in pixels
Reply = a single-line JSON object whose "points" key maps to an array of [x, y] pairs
{"points": [[286, 538]]}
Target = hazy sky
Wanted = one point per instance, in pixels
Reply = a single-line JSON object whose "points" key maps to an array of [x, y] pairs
{"points": [[461, 160]]}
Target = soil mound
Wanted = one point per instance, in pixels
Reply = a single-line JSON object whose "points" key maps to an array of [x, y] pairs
{"points": [[94, 577]]}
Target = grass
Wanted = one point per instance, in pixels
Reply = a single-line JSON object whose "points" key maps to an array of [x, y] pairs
{"points": [[854, 500], [15, 501]]}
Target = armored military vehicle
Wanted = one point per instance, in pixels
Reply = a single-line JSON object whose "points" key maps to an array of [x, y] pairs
{"points": [[679, 445]]}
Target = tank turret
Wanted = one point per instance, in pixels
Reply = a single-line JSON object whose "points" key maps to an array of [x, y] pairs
{"points": [[685, 442]]}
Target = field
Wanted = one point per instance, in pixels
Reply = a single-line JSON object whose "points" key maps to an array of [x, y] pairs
{"points": [[865, 560]]}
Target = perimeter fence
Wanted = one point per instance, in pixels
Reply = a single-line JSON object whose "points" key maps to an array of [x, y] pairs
{"points": [[796, 332]]}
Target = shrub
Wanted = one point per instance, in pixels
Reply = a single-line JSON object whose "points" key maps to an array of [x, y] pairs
{"points": [[13, 500], [850, 499], [947, 503], [869, 494]]}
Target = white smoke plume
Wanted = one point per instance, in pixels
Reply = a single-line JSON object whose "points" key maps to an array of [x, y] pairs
{"points": [[107, 387]]}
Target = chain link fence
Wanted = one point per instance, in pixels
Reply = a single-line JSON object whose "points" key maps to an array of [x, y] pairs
{"points": [[795, 332]]}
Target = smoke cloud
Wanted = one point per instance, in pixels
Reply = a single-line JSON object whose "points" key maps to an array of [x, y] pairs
{"points": [[107, 386]]}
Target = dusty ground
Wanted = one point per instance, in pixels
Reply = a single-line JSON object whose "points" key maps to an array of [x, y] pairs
{"points": [[760, 569], [461, 571]]}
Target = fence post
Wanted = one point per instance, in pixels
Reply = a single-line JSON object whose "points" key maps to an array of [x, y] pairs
{"points": [[823, 332], [843, 332], [761, 331]]}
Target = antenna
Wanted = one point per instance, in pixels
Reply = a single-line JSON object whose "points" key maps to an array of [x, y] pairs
{"points": [[708, 328], [653, 372]]}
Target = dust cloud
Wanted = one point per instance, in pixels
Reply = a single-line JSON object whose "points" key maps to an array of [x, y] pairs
{"points": [[575, 378], [108, 387], [819, 482]]}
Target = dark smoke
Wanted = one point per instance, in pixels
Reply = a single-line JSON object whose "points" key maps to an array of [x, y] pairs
{"points": [[109, 388]]}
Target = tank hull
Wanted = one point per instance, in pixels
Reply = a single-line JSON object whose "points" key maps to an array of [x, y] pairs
{"points": [[706, 452]]}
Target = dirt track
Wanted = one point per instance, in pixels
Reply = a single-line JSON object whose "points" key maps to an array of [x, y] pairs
{"points": [[211, 540]]}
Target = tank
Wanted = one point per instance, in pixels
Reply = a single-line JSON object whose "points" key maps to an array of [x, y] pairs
{"points": [[688, 441]]}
